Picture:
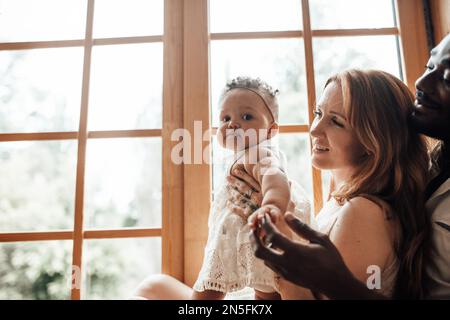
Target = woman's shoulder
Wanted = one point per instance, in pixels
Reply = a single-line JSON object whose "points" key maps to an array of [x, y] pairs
{"points": [[363, 235], [367, 205], [365, 212]]}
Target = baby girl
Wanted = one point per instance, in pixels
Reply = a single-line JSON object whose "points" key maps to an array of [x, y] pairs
{"points": [[248, 122]]}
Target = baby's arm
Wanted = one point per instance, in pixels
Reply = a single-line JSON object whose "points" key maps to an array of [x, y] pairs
{"points": [[274, 183]]}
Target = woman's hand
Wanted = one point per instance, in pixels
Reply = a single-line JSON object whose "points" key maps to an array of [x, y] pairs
{"points": [[317, 266]]}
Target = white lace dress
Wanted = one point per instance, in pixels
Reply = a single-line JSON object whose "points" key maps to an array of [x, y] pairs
{"points": [[229, 262]]}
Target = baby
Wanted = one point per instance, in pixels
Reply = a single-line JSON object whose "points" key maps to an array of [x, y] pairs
{"points": [[248, 122]]}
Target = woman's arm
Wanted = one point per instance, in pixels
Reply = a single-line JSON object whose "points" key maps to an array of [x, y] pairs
{"points": [[363, 236]]}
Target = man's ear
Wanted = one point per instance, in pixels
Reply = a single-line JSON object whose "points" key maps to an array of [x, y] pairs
{"points": [[273, 130]]}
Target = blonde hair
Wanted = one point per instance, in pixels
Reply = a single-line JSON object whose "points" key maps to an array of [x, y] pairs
{"points": [[394, 171]]}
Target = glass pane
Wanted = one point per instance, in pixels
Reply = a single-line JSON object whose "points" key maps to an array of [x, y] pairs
{"points": [[279, 62], [115, 267], [351, 14], [37, 188], [22, 20], [126, 18], [123, 183], [40, 89], [35, 270], [126, 87], [296, 148], [332, 55], [255, 15]]}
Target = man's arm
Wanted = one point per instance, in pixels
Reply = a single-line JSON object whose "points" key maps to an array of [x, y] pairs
{"points": [[317, 265]]}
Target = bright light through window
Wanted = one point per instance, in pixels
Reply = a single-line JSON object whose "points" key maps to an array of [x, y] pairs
{"points": [[31, 20]]}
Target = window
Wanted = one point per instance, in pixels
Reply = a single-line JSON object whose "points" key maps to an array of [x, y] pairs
{"points": [[90, 199], [81, 151]]}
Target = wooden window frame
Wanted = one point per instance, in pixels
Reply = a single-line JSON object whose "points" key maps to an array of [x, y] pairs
{"points": [[78, 234], [185, 188]]}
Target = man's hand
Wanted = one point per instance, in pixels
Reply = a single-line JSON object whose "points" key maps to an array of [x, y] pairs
{"points": [[317, 266]]}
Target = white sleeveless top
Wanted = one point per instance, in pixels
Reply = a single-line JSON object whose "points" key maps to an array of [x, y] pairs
{"points": [[229, 262]]}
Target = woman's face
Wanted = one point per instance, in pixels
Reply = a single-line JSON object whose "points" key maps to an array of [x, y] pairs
{"points": [[334, 143], [431, 114]]}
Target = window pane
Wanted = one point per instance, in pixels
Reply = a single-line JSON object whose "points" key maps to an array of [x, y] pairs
{"points": [[332, 55], [22, 20], [123, 183], [296, 148], [126, 18], [40, 89], [114, 267], [279, 62], [348, 14], [126, 87], [255, 15], [35, 270], [37, 188]]}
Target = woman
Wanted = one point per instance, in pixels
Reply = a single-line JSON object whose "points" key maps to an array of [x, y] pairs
{"points": [[323, 268], [378, 171]]}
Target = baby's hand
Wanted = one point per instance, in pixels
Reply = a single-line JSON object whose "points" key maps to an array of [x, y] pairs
{"points": [[255, 220]]}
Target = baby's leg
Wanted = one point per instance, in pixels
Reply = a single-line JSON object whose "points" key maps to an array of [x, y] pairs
{"points": [[162, 287], [259, 295], [208, 295]]}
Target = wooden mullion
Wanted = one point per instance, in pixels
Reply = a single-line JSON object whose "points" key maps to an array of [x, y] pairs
{"points": [[38, 136], [87, 234], [42, 136], [81, 158], [354, 32], [413, 39], [311, 89], [41, 45], [122, 233], [256, 35], [36, 236], [197, 177], [127, 40], [29, 45], [213, 36], [172, 174], [294, 128], [124, 134]]}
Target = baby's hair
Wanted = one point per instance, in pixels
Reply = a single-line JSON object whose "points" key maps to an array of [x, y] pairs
{"points": [[262, 88]]}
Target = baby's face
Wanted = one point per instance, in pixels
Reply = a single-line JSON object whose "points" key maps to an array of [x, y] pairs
{"points": [[244, 120]]}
